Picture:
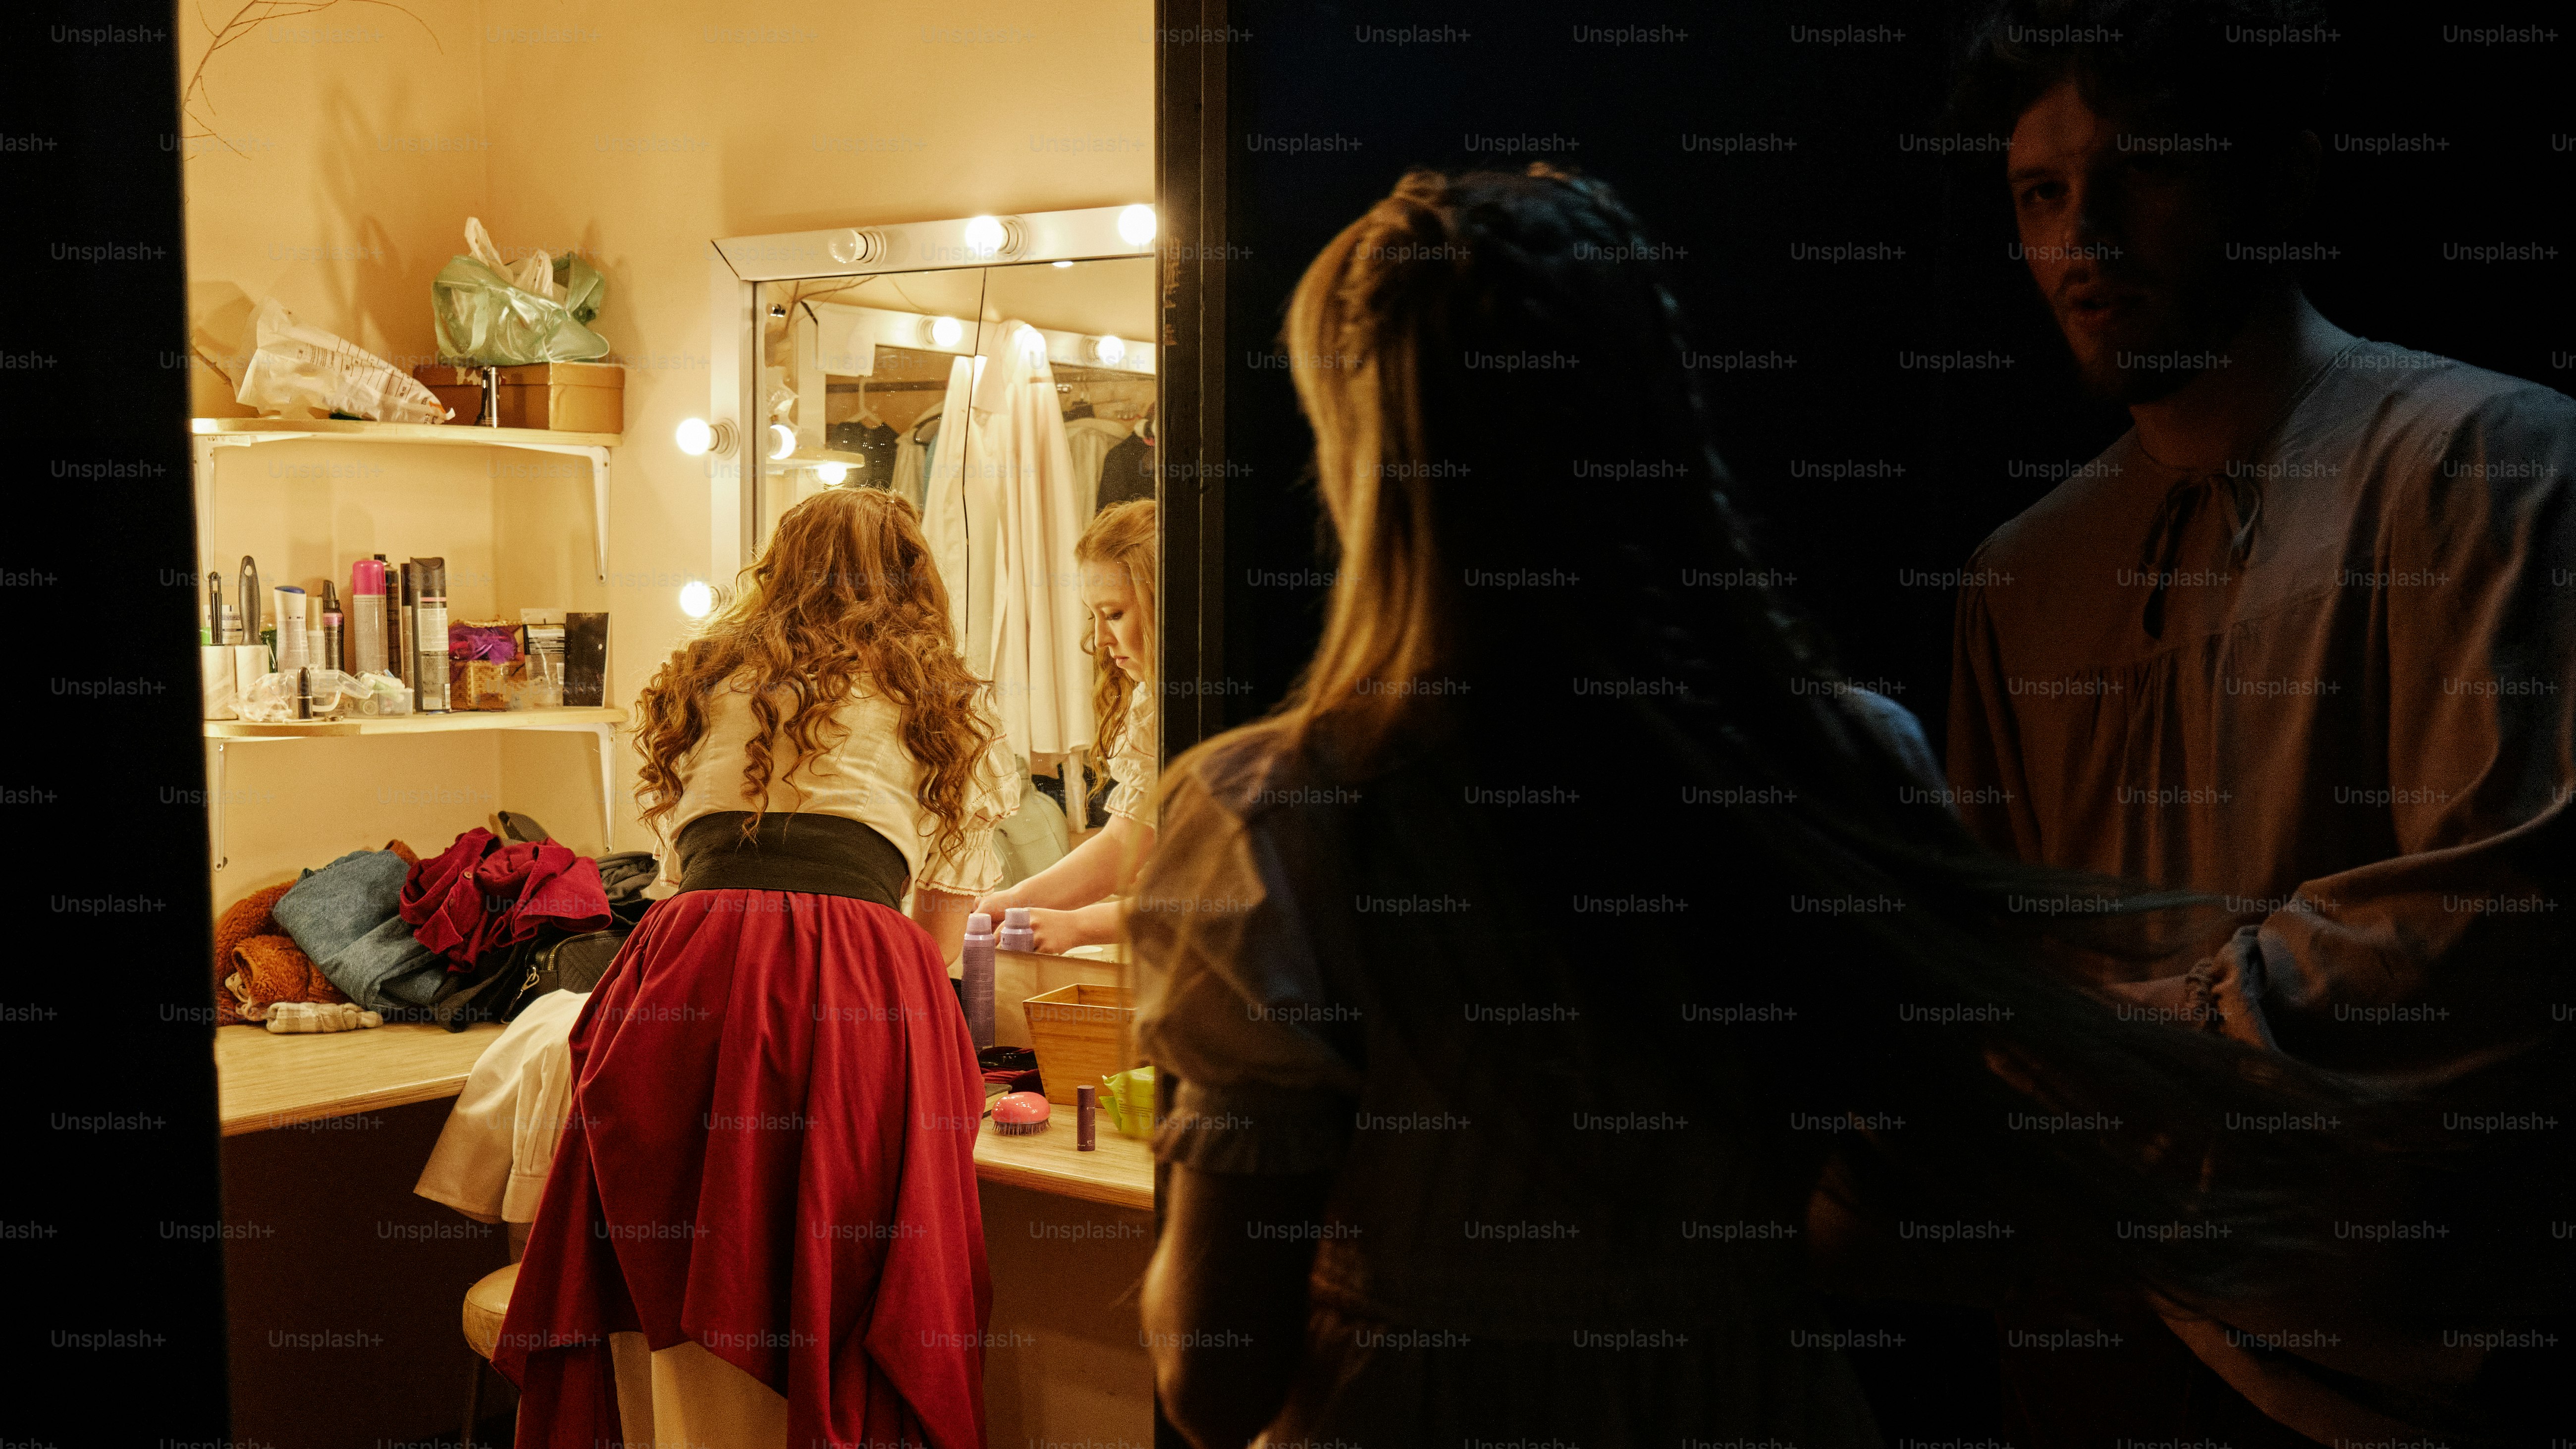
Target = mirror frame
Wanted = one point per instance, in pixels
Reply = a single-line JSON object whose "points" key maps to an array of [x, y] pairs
{"points": [[737, 265]]}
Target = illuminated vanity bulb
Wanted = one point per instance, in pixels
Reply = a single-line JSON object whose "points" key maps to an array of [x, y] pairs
{"points": [[1108, 351], [782, 442], [832, 474], [697, 600], [1059, 264], [943, 331], [697, 437], [984, 235], [1136, 225]]}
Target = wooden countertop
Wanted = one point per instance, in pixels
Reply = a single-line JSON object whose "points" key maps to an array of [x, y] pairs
{"points": [[266, 1081], [1120, 1173]]}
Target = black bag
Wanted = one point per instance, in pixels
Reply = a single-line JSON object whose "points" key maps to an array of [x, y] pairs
{"points": [[502, 984]]}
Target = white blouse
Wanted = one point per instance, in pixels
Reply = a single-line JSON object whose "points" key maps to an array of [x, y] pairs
{"points": [[1135, 759], [868, 776]]}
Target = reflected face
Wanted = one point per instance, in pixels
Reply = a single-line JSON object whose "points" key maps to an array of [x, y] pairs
{"points": [[1117, 627], [2126, 234]]}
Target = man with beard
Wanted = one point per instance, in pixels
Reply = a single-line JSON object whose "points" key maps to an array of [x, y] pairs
{"points": [[2300, 640]]}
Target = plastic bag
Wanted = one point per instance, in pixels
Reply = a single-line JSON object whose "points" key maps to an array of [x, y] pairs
{"points": [[272, 699], [493, 313], [293, 365]]}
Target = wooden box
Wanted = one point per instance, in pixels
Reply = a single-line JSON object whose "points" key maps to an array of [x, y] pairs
{"points": [[460, 388], [1080, 1035], [566, 397]]}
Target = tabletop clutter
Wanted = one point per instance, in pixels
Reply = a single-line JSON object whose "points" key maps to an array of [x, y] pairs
{"points": [[469, 934]]}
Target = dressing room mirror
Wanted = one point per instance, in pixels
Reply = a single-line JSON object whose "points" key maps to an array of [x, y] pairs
{"points": [[1009, 404]]}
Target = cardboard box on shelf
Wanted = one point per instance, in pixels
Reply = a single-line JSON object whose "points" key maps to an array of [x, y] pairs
{"points": [[566, 397], [460, 388]]}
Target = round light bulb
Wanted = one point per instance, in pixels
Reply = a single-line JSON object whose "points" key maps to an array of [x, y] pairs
{"points": [[694, 437], [945, 331], [984, 235], [697, 600], [1136, 225], [1109, 351], [782, 442], [832, 474]]}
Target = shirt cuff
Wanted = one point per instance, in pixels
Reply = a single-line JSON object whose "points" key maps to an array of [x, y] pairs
{"points": [[1254, 1128]]}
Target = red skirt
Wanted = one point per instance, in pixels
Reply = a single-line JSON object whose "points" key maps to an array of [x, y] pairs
{"points": [[770, 1151]]}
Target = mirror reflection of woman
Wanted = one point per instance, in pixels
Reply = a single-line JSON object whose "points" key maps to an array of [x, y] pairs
{"points": [[1073, 902], [769, 1164]]}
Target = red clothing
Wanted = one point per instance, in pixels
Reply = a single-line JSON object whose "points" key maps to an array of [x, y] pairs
{"points": [[770, 1151], [472, 898]]}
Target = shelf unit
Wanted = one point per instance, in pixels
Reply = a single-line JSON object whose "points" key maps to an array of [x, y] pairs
{"points": [[599, 722], [209, 434]]}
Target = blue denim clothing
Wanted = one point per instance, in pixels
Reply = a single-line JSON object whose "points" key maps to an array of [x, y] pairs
{"points": [[344, 916]]}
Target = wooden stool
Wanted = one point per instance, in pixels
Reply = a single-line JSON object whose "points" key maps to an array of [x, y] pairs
{"points": [[486, 1304]]}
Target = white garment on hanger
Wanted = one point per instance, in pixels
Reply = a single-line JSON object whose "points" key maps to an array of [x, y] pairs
{"points": [[1018, 452], [1090, 440], [950, 521]]}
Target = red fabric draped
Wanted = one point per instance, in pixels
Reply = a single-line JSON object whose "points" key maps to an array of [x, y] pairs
{"points": [[471, 898], [770, 1151]]}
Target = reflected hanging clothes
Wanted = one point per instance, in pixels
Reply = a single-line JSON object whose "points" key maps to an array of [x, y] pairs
{"points": [[912, 452], [949, 518], [1018, 456], [1128, 472], [1090, 439]]}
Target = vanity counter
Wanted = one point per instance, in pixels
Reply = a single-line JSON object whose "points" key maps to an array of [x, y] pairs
{"points": [[265, 1081]]}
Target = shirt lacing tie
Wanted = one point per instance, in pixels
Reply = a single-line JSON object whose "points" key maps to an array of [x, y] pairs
{"points": [[2183, 502]]}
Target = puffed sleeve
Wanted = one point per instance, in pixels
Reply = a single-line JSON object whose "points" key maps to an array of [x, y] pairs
{"points": [[1230, 1001], [975, 866], [1134, 760]]}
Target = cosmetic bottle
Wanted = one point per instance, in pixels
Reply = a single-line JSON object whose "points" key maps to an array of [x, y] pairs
{"points": [[1019, 933], [333, 635], [977, 971], [1086, 1119], [399, 657], [292, 651], [303, 693], [367, 617], [429, 621], [390, 653]]}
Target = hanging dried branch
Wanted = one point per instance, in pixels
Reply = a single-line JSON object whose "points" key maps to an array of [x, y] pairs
{"points": [[195, 98]]}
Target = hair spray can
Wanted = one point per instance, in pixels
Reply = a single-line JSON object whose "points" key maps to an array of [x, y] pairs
{"points": [[366, 617], [334, 635], [429, 622]]}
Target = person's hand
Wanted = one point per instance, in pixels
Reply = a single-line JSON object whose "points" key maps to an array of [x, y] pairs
{"points": [[1057, 931], [994, 904]]}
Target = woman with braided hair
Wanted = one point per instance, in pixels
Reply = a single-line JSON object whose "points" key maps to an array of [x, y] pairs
{"points": [[1575, 945]]}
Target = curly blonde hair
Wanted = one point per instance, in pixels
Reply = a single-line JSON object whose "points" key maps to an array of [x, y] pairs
{"points": [[846, 590]]}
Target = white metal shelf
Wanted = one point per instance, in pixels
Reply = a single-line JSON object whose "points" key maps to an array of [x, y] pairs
{"points": [[598, 721], [209, 434]]}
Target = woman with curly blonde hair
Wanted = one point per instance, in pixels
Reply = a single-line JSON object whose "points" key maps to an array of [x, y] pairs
{"points": [[769, 1163]]}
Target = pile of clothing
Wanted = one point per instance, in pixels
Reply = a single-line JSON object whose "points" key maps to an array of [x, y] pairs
{"points": [[390, 932]]}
